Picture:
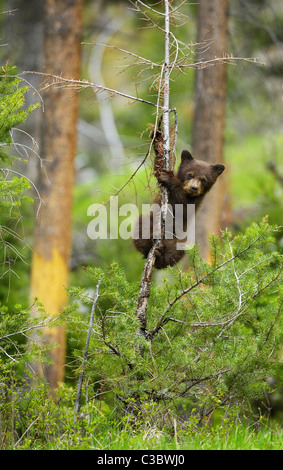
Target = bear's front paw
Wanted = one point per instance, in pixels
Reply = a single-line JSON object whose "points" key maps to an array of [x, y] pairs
{"points": [[159, 250], [156, 134], [164, 176]]}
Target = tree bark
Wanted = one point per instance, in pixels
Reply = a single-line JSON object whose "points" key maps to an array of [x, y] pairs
{"points": [[209, 112], [52, 244]]}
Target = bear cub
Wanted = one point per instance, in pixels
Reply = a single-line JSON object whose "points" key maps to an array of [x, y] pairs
{"points": [[188, 185]]}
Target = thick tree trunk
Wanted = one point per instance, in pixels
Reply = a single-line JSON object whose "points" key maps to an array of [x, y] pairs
{"points": [[209, 112], [52, 245]]}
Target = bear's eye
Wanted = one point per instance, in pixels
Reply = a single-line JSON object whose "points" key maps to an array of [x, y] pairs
{"points": [[203, 180], [189, 176]]}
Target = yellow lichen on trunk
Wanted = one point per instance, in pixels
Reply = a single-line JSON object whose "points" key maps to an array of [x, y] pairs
{"points": [[50, 272], [49, 278]]}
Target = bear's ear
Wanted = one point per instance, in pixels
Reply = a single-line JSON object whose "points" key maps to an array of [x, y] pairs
{"points": [[218, 168], [185, 155]]}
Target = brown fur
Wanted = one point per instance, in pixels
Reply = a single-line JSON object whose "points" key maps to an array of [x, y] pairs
{"points": [[188, 185]]}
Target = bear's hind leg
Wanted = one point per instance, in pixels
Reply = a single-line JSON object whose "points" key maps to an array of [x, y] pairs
{"points": [[167, 254]]}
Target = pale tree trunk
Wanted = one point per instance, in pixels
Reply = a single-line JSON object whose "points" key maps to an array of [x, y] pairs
{"points": [[209, 112], [52, 244], [144, 292]]}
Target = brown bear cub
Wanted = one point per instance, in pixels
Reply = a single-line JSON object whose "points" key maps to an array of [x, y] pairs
{"points": [[188, 185]]}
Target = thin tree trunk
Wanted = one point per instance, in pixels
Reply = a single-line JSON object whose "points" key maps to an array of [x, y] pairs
{"points": [[85, 354], [52, 244], [144, 292], [209, 112]]}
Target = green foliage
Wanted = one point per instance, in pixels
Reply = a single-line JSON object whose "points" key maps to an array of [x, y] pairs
{"points": [[213, 332], [16, 322], [12, 95], [12, 193], [11, 114], [24, 398], [13, 189]]}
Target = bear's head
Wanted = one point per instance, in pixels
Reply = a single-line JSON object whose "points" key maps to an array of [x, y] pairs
{"points": [[197, 176]]}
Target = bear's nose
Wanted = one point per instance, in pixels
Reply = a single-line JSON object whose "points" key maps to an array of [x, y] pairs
{"points": [[194, 188]]}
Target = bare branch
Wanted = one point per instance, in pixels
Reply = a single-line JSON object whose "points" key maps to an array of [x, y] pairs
{"points": [[150, 8], [142, 60], [9, 12], [82, 374], [227, 59], [146, 16], [83, 84]]}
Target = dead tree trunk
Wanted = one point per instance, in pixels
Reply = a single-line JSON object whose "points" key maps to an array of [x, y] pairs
{"points": [[209, 110], [52, 244], [144, 292]]}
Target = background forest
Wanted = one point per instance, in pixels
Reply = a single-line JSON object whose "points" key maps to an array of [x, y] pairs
{"points": [[208, 373]]}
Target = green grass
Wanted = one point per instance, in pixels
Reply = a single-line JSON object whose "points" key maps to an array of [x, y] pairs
{"points": [[240, 438], [111, 436]]}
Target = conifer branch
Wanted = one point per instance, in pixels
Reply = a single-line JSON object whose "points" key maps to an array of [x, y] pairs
{"points": [[199, 281]]}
